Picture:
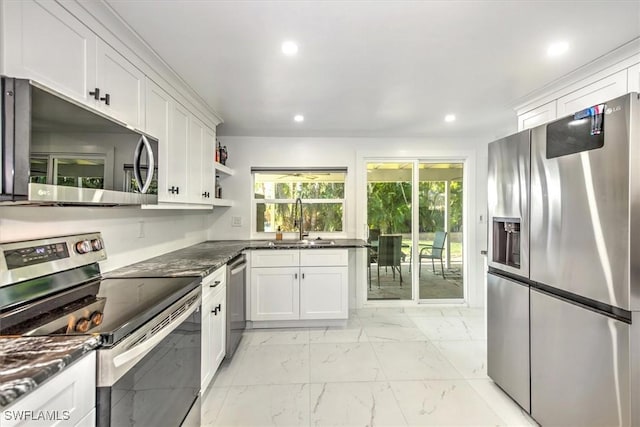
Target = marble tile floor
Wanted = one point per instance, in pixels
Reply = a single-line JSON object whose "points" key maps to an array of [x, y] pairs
{"points": [[418, 366]]}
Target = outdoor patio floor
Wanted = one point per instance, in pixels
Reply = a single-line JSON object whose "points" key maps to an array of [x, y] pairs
{"points": [[432, 286]]}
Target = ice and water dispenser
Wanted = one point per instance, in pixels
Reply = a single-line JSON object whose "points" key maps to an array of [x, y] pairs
{"points": [[506, 241]]}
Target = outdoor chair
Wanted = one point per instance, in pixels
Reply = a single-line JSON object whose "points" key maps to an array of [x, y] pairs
{"points": [[390, 254], [374, 235], [433, 252]]}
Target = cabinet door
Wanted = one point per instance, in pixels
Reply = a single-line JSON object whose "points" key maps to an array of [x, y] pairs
{"points": [[543, 114], [324, 293], [72, 390], [275, 293], [194, 162], [177, 154], [213, 335], [603, 90], [219, 327], [633, 78], [158, 112], [206, 351], [123, 82], [208, 159], [45, 43]]}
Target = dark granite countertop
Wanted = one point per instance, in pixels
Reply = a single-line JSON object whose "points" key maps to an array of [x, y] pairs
{"points": [[204, 258], [27, 362]]}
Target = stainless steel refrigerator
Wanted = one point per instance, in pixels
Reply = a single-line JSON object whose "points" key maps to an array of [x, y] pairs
{"points": [[583, 272], [508, 277], [585, 266]]}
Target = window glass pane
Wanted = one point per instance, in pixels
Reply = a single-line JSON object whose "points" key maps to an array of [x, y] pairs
{"points": [[289, 185], [82, 173], [317, 217], [38, 170], [281, 188]]}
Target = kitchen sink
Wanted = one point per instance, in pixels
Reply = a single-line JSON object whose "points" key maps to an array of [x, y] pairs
{"points": [[301, 243]]}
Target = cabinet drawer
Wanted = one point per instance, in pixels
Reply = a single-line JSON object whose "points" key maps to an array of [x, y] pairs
{"points": [[324, 257], [275, 258], [215, 281]]}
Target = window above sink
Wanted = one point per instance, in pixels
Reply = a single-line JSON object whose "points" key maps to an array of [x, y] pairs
{"points": [[322, 191]]}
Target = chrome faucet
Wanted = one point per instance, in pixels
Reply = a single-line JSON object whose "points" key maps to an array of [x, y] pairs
{"points": [[298, 220]]}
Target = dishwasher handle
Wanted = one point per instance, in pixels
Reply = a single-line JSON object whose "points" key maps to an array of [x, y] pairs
{"points": [[237, 265], [237, 270]]}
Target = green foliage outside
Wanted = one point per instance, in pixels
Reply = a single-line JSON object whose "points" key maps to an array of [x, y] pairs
{"points": [[389, 206], [318, 216]]}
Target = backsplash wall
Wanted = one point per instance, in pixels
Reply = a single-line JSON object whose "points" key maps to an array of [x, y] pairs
{"points": [[121, 227]]}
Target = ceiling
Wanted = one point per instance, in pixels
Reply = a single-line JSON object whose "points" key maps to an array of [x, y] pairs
{"points": [[375, 68]]}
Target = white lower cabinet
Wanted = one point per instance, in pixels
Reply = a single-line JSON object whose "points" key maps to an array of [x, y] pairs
{"points": [[323, 292], [67, 399], [306, 284], [214, 325], [275, 293]]}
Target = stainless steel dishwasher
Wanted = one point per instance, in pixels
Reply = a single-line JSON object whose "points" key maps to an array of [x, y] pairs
{"points": [[236, 296]]}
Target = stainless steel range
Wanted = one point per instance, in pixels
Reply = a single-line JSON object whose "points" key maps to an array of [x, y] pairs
{"points": [[148, 365]]}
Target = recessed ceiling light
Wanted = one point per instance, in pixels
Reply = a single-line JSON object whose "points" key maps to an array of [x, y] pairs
{"points": [[557, 49], [289, 48], [450, 118], [298, 118]]}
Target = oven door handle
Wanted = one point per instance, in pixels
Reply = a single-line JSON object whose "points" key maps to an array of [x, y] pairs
{"points": [[138, 351]]}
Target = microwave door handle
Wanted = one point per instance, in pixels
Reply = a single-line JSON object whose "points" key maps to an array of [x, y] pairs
{"points": [[143, 143]]}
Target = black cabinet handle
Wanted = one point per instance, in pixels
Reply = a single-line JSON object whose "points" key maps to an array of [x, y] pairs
{"points": [[205, 194], [216, 310], [106, 99], [174, 190], [96, 94], [216, 283]]}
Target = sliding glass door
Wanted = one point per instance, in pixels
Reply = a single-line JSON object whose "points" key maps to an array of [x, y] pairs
{"points": [[440, 219], [416, 248], [389, 193]]}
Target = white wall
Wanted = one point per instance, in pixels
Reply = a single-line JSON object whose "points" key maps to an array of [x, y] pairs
{"points": [[163, 231], [245, 152]]}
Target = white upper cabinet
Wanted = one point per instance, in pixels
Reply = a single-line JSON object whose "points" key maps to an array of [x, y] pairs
{"points": [[172, 162], [543, 114], [603, 90], [121, 86], [208, 158], [633, 78], [45, 43], [65, 47], [194, 162], [177, 169]]}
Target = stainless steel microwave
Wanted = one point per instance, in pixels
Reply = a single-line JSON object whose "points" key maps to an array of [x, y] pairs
{"points": [[56, 151]]}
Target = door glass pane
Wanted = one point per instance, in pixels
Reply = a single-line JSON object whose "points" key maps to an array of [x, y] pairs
{"points": [[389, 189], [440, 231]]}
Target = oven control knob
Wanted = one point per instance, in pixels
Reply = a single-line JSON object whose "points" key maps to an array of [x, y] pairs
{"points": [[96, 318], [96, 244], [82, 325], [83, 247]]}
